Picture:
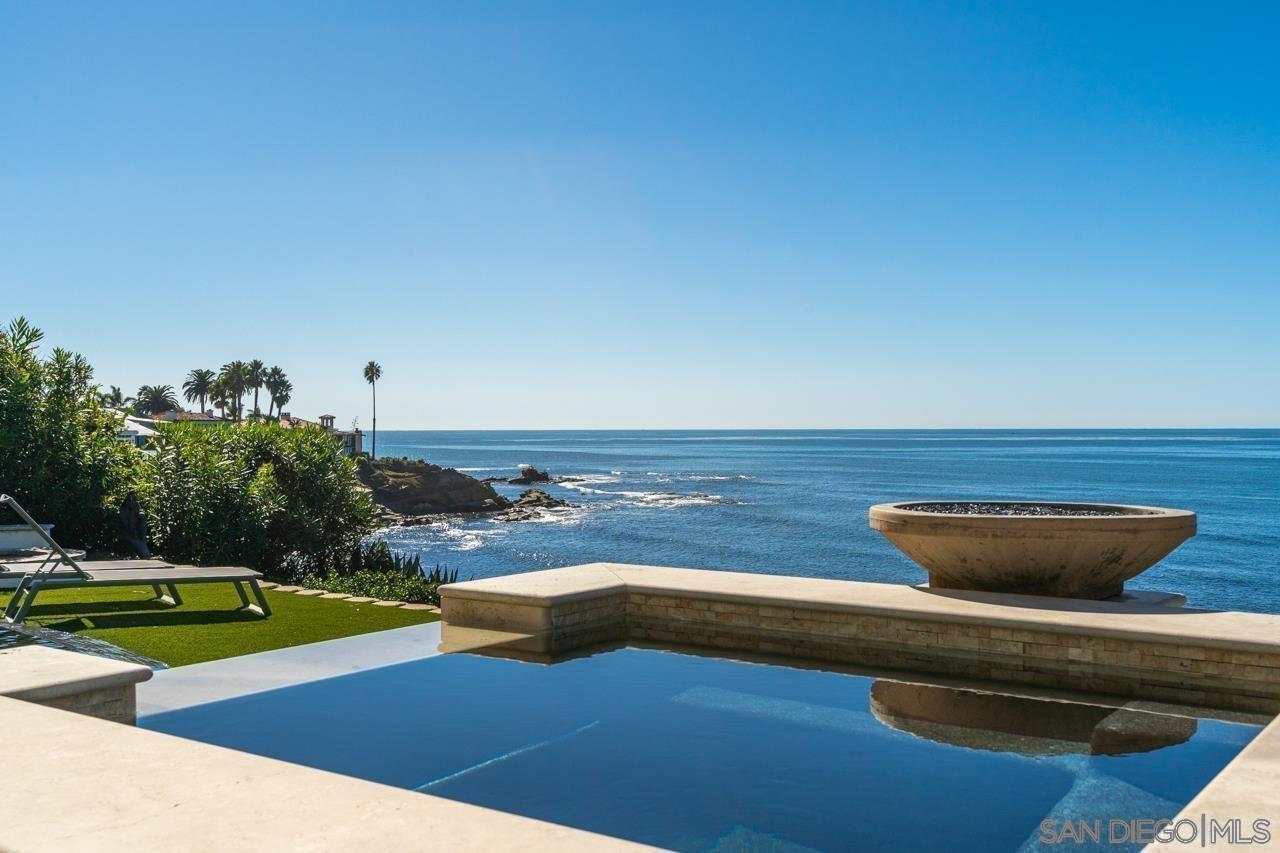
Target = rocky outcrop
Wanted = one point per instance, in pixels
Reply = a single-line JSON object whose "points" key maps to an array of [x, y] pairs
{"points": [[527, 505], [408, 487], [530, 475]]}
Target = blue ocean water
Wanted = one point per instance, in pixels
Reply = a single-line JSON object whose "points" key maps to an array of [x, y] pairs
{"points": [[795, 502]]}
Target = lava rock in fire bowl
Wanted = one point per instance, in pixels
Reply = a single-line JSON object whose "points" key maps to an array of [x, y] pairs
{"points": [[1071, 550]]}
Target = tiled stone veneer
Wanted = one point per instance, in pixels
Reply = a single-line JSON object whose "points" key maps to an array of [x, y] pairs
{"points": [[1223, 660]]}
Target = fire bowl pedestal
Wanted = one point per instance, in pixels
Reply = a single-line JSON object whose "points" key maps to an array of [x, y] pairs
{"points": [[1070, 550]]}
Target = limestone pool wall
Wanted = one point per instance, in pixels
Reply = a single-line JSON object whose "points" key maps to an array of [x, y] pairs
{"points": [[1218, 659]]}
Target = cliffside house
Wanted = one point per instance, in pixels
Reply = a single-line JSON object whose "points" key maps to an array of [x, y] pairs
{"points": [[136, 431], [351, 441], [188, 417], [140, 431]]}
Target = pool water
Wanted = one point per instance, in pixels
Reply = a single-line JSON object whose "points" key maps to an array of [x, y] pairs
{"points": [[701, 753], [16, 636]]}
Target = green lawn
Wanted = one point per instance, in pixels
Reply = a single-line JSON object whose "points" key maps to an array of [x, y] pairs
{"points": [[209, 625]]}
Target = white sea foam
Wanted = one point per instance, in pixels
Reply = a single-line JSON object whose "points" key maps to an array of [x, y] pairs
{"points": [[591, 484], [586, 483], [450, 533], [668, 500], [712, 478]]}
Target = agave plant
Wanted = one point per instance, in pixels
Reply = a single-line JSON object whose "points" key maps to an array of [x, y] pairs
{"points": [[441, 575]]}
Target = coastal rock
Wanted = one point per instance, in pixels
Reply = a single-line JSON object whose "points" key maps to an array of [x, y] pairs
{"points": [[409, 488], [528, 475], [526, 506], [538, 498]]}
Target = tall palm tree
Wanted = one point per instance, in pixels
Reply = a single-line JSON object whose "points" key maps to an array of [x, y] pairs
{"points": [[255, 375], [197, 386], [154, 399], [220, 395], [114, 399], [236, 373], [274, 380], [282, 395], [372, 373]]}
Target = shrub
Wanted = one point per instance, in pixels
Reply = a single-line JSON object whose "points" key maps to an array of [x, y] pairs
{"points": [[58, 450], [373, 569], [376, 556], [256, 494]]}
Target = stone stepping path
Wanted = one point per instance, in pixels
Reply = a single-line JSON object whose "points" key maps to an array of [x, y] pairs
{"points": [[342, 596]]}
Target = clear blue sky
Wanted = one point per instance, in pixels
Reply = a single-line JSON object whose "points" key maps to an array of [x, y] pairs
{"points": [[685, 214]]}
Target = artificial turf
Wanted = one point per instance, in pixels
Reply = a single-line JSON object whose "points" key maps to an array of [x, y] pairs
{"points": [[209, 624]]}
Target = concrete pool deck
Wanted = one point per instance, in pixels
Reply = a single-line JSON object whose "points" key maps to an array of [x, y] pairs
{"points": [[93, 784]]}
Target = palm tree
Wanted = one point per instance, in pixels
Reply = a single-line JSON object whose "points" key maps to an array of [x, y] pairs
{"points": [[236, 374], [114, 399], [255, 375], [372, 373], [282, 395], [220, 395], [154, 399], [274, 380], [197, 386]]}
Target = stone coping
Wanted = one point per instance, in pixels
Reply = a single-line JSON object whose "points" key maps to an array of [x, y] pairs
{"points": [[94, 785], [39, 674], [1138, 621], [549, 586]]}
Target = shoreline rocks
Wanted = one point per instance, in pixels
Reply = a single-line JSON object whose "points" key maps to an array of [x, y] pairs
{"points": [[529, 503], [408, 487], [410, 492], [530, 475]]}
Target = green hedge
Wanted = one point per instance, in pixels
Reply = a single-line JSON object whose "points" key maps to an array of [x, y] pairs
{"points": [[283, 501], [58, 450]]}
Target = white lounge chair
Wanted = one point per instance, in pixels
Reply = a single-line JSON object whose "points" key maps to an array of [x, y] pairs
{"points": [[61, 571]]}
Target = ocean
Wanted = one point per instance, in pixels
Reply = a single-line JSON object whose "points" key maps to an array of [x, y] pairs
{"points": [[795, 502]]}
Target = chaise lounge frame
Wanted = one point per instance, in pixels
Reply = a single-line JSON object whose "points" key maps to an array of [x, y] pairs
{"points": [[61, 571]]}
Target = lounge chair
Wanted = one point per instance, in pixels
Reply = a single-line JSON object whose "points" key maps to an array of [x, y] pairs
{"points": [[60, 571]]}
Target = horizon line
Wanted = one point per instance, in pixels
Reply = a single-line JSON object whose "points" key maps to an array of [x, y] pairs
{"points": [[840, 429]]}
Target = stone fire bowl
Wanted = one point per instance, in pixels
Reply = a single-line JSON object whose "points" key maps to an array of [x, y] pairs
{"points": [[1060, 553]]}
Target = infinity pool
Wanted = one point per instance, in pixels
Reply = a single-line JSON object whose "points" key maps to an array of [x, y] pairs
{"points": [[702, 753]]}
